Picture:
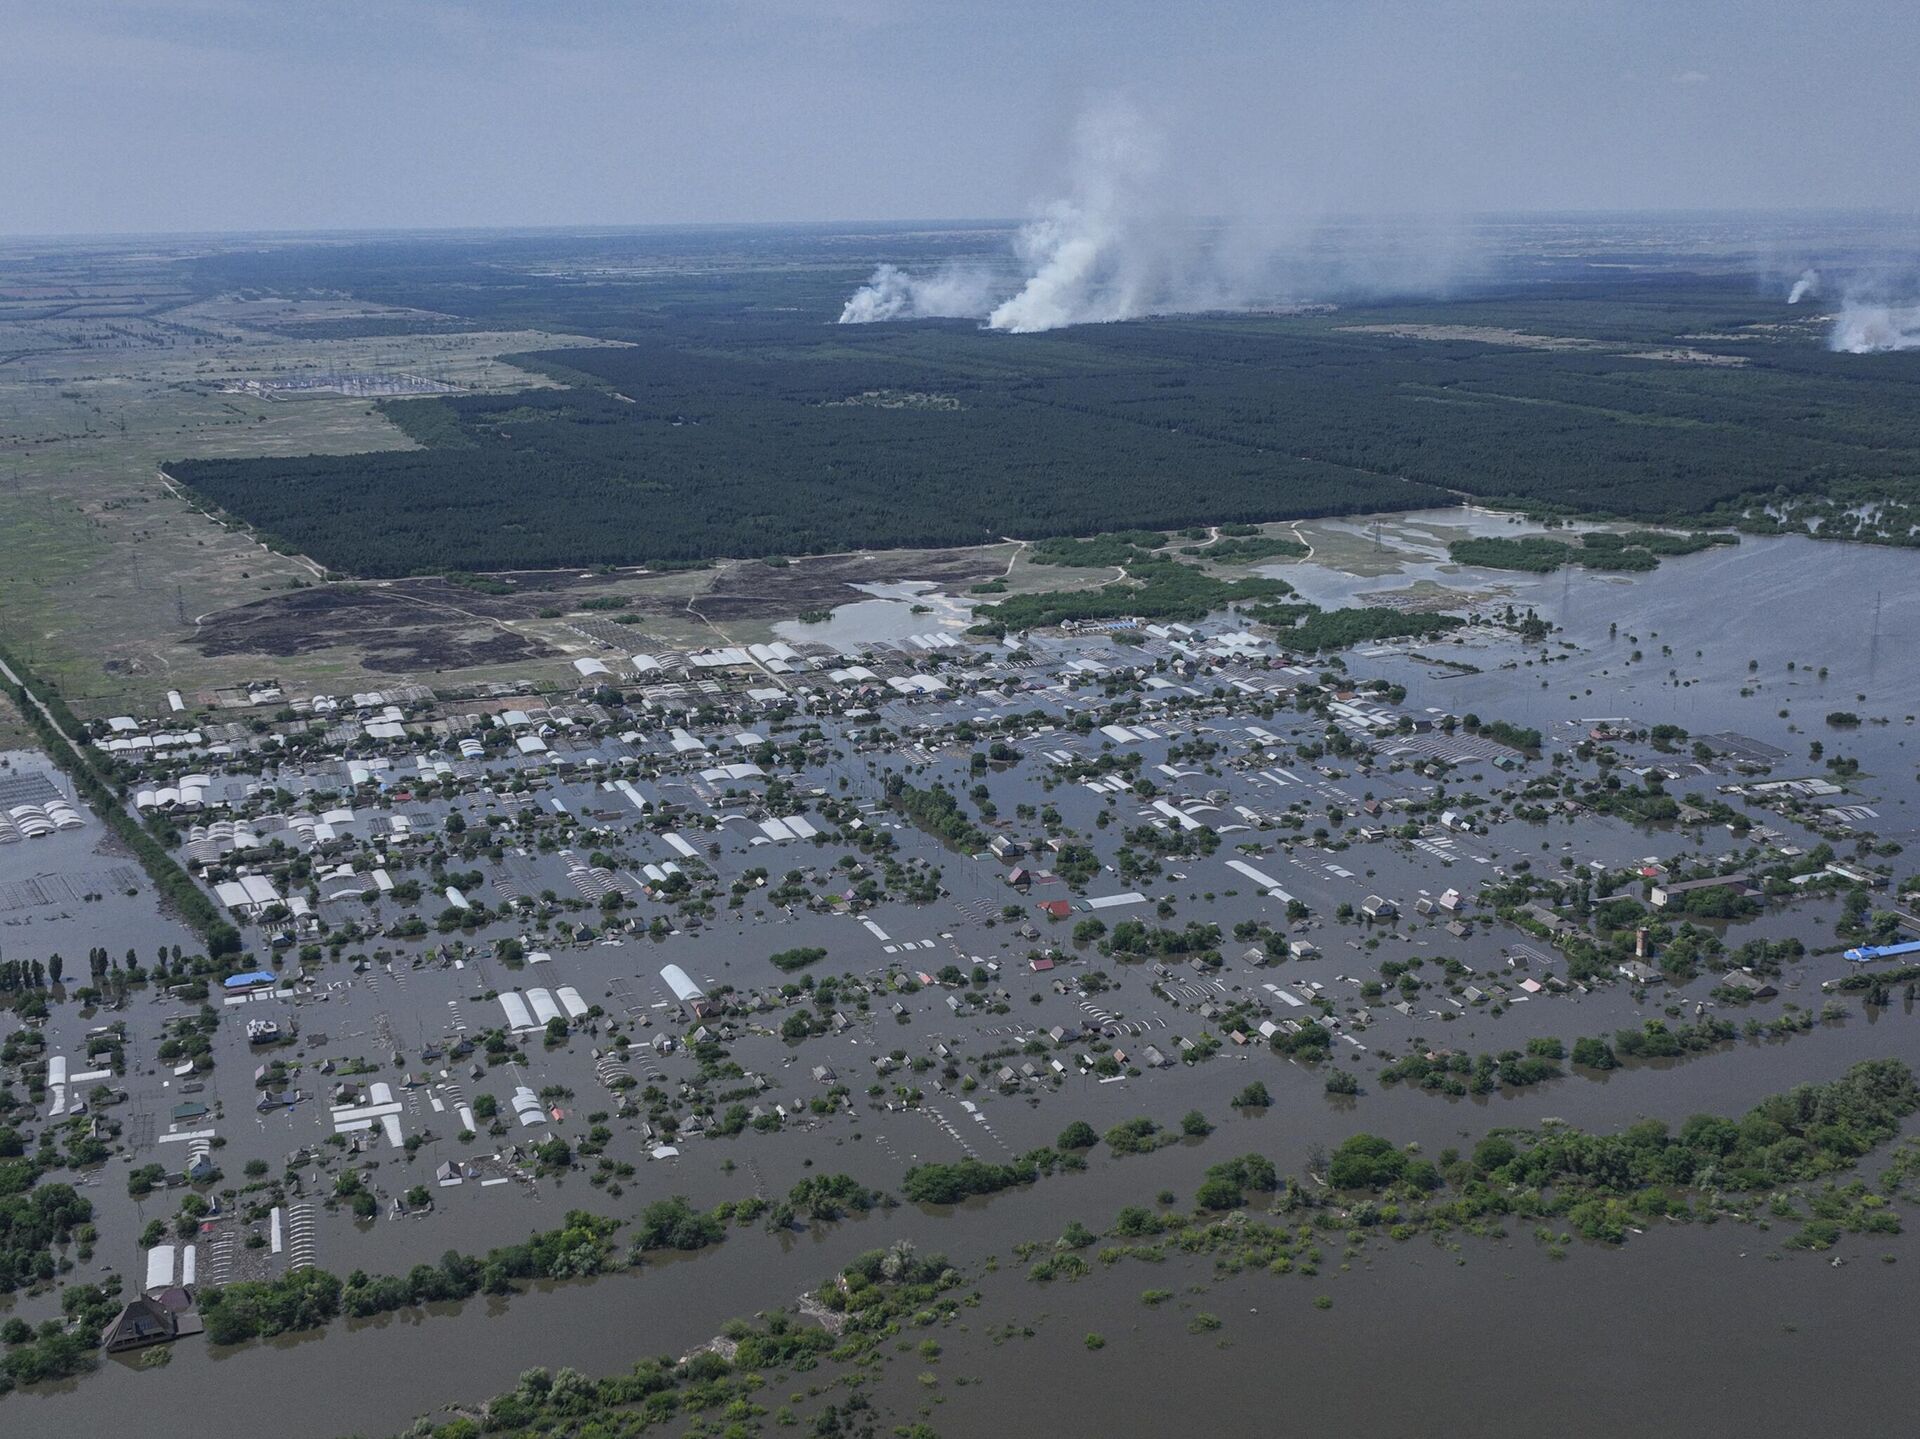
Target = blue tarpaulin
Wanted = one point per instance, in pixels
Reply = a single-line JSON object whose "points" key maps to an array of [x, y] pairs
{"points": [[250, 979]]}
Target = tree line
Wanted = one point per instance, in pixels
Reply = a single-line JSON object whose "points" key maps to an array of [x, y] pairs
{"points": [[176, 886]]}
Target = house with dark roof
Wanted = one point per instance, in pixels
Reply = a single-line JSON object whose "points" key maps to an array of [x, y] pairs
{"points": [[140, 1322]]}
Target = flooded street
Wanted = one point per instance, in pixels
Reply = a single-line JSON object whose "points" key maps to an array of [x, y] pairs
{"points": [[941, 994], [1455, 1324]]}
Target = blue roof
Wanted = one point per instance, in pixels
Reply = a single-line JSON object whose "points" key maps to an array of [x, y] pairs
{"points": [[1882, 951], [248, 980]]}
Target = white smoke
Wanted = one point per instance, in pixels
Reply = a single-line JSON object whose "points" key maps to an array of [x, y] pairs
{"points": [[1877, 310], [893, 294], [1873, 284], [1863, 329], [1113, 246], [1092, 257]]}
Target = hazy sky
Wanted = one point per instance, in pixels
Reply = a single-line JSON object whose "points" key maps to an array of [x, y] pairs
{"points": [[137, 115]]}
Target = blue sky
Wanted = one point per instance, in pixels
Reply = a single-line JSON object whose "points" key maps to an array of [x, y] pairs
{"points": [[200, 115]]}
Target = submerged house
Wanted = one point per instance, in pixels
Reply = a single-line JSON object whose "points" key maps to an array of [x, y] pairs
{"points": [[158, 1317]]}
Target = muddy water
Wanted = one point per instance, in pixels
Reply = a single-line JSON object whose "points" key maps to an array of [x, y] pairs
{"points": [[74, 890], [1681, 1332], [1657, 1337], [1765, 602], [896, 611], [374, 1376], [1413, 1333]]}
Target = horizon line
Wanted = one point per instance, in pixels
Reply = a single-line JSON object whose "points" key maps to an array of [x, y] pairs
{"points": [[988, 224]]}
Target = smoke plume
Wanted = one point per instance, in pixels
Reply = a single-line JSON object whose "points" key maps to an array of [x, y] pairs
{"points": [[1090, 258], [1126, 238], [893, 294], [1863, 329], [1865, 273], [1877, 310], [1091, 255]]}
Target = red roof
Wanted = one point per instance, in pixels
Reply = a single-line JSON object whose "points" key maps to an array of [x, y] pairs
{"points": [[1058, 908]]}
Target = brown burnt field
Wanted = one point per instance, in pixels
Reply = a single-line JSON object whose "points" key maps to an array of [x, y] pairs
{"points": [[398, 629], [423, 626]]}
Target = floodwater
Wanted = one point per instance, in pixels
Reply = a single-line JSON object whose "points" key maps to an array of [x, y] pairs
{"points": [[1669, 1333], [1685, 1330], [75, 889], [1768, 601], [1512, 1336], [894, 614]]}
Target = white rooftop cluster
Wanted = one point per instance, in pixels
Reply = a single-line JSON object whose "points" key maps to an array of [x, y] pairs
{"points": [[779, 658], [344, 883], [250, 892], [37, 821], [148, 744], [781, 830], [916, 684], [189, 793], [210, 841], [526, 1104]]}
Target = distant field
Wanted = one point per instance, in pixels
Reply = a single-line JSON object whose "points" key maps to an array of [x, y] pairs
{"points": [[109, 581], [725, 414], [731, 425]]}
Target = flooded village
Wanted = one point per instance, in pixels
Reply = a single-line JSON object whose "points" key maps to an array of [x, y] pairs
{"points": [[870, 720], [885, 898]]}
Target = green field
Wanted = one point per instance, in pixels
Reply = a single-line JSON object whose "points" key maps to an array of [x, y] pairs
{"points": [[107, 575]]}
